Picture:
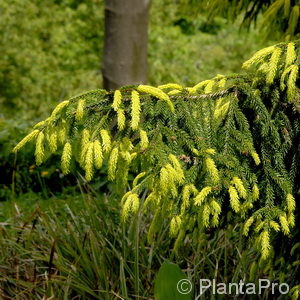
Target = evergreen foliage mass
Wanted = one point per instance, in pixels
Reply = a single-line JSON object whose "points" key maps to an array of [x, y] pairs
{"points": [[280, 17], [189, 155]]}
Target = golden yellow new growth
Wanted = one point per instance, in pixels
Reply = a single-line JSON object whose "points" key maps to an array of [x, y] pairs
{"points": [[62, 132], [264, 68], [85, 140], [273, 65], [80, 109], [174, 92], [283, 76], [39, 148], [215, 210], [202, 195], [215, 206], [175, 226], [234, 199], [98, 155], [210, 151], [291, 83], [26, 139], [212, 170], [144, 139], [153, 197], [219, 102], [126, 144], [265, 244], [58, 108], [222, 83], [215, 220], [164, 180], [125, 155], [156, 93], [255, 192], [202, 84], [53, 141], [238, 183], [258, 57], [291, 204], [186, 193], [125, 196], [176, 175], [255, 157], [89, 162], [208, 88], [135, 110], [177, 166], [247, 226], [260, 225], [117, 100], [112, 163], [175, 162], [291, 219], [106, 141], [191, 90], [121, 118], [246, 206], [137, 178], [40, 124], [131, 205], [205, 215], [83, 154], [274, 225], [296, 293], [284, 224], [196, 152], [133, 155], [85, 137], [66, 158], [170, 86], [290, 54], [221, 108]]}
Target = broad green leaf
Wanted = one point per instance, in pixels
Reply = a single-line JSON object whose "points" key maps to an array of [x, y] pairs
{"points": [[172, 284]]}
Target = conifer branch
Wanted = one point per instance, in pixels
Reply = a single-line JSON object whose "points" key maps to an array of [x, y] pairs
{"points": [[199, 150]]}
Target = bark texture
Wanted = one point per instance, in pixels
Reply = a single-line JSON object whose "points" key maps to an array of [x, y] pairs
{"points": [[125, 42]]}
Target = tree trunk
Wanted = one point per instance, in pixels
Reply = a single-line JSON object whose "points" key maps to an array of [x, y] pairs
{"points": [[125, 43]]}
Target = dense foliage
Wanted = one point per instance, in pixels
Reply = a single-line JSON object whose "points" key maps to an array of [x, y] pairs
{"points": [[279, 18], [189, 153]]}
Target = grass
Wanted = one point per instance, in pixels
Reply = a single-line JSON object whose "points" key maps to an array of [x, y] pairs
{"points": [[75, 247], [66, 252]]}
